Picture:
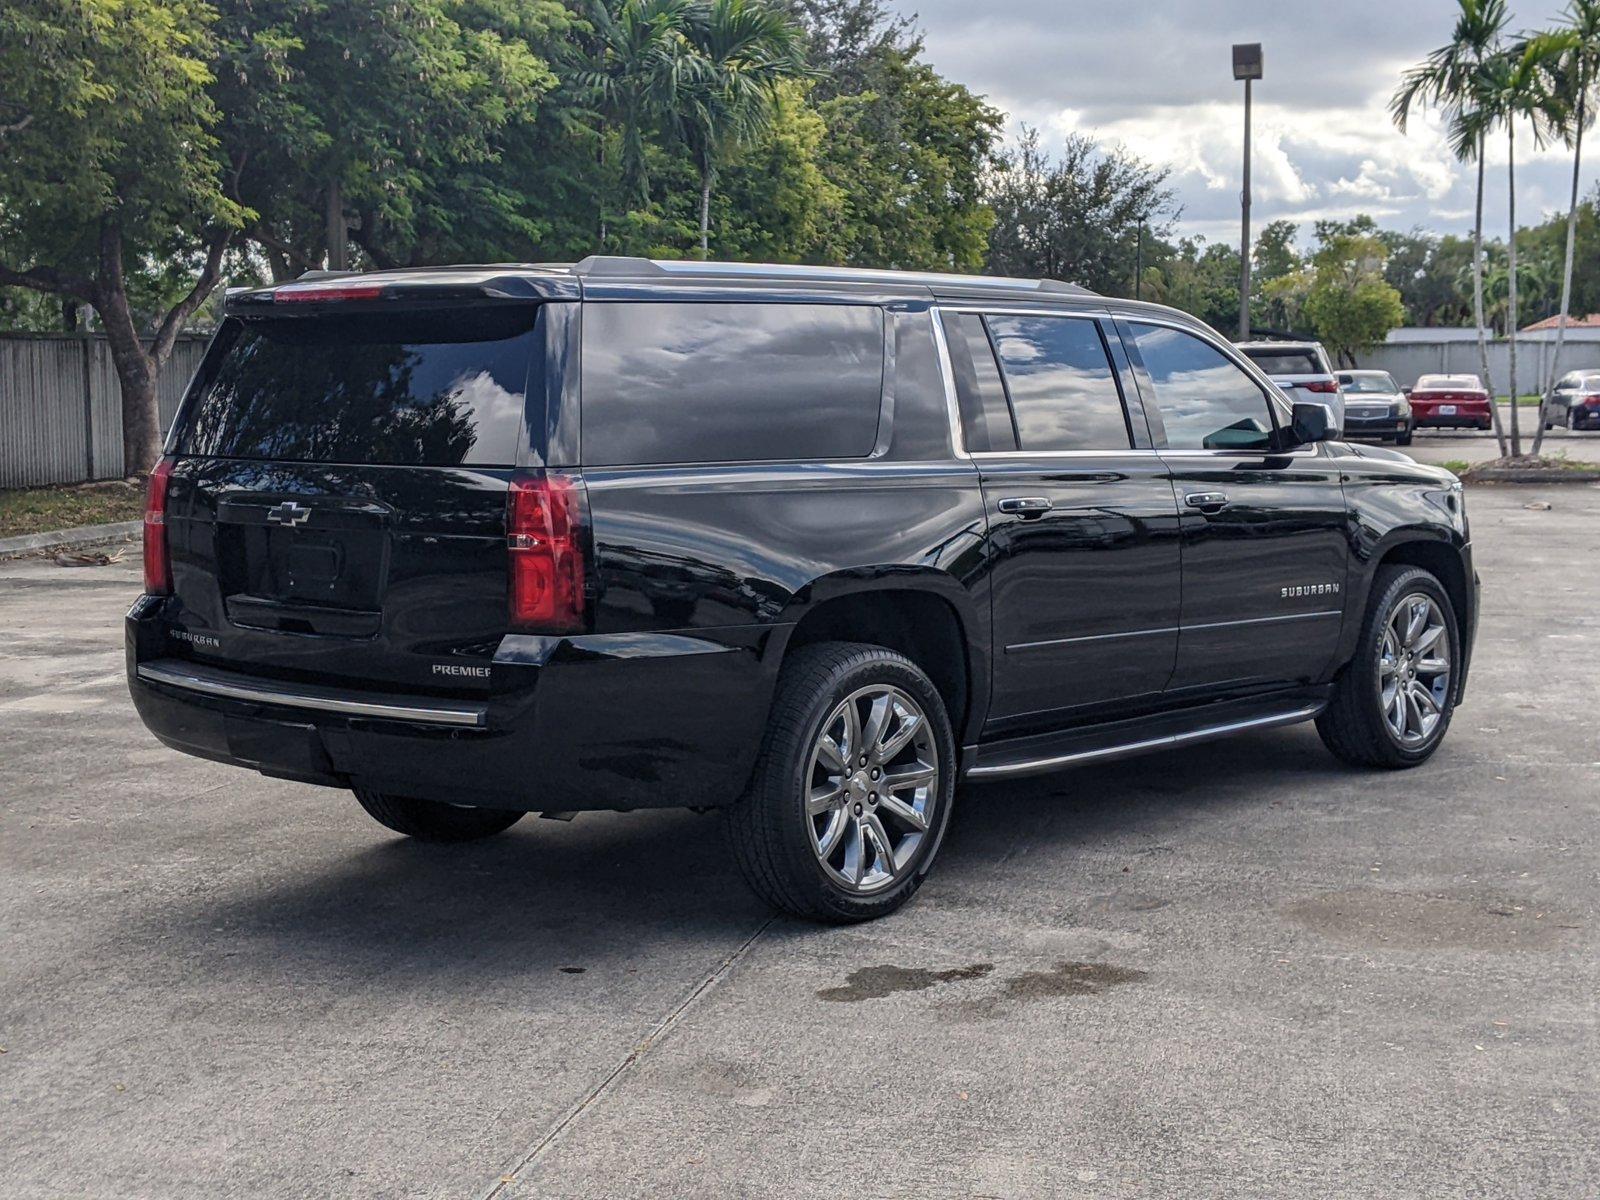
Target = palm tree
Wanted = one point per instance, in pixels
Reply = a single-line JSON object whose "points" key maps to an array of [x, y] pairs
{"points": [[1511, 87], [1575, 71], [1445, 80], [739, 52], [632, 75]]}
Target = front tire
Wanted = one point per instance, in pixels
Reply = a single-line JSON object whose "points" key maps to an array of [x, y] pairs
{"points": [[1392, 704], [852, 792], [431, 821], [1404, 439]]}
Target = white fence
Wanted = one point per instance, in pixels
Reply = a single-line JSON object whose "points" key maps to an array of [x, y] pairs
{"points": [[1406, 361], [61, 406]]}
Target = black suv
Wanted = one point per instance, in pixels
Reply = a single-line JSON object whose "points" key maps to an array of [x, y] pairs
{"points": [[809, 545]]}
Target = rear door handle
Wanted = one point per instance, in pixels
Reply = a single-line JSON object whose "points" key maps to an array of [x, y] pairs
{"points": [[1207, 502], [1026, 506]]}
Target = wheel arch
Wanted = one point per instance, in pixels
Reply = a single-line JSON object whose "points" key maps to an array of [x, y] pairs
{"points": [[1441, 556], [926, 615]]}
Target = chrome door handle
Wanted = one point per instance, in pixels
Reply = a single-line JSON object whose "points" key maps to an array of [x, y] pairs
{"points": [[1208, 502], [1026, 506]]}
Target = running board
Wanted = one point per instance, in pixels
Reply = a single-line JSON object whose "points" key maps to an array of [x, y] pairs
{"points": [[1123, 739]]}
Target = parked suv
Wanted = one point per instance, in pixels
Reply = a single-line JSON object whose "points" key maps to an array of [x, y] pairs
{"points": [[1304, 372], [806, 545]]}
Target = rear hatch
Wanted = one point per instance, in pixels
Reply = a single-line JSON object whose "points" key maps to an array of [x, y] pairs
{"points": [[337, 508]]}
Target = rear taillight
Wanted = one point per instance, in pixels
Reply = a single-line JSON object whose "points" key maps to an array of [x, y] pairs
{"points": [[157, 554], [544, 542], [1591, 401], [1322, 385]]}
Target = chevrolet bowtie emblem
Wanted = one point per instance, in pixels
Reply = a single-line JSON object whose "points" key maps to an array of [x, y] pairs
{"points": [[288, 513]]}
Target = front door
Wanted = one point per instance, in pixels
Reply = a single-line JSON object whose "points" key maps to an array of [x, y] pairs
{"points": [[1265, 533], [1082, 522]]}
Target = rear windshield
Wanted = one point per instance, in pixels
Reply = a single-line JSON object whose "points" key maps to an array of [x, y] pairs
{"points": [[420, 388], [1449, 383], [1286, 362]]}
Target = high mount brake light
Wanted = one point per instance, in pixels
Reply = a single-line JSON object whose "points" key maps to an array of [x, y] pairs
{"points": [[545, 547], [1325, 386], [301, 292], [157, 553]]}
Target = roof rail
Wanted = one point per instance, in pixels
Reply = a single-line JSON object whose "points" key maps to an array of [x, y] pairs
{"points": [[601, 265], [615, 264]]}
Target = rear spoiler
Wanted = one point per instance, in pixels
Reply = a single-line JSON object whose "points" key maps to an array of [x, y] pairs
{"points": [[320, 290]]}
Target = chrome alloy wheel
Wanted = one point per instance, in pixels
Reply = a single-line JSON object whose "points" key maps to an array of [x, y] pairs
{"points": [[871, 788], [1414, 669]]}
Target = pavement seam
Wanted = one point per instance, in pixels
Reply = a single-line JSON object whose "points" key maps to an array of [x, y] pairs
{"points": [[627, 1062]]}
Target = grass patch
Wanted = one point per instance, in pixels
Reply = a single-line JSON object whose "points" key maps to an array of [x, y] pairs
{"points": [[43, 509], [1456, 466]]}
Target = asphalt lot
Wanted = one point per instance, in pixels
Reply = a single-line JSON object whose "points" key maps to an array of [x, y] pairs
{"points": [[1240, 970], [1440, 446]]}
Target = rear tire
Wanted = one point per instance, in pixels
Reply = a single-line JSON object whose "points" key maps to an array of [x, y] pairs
{"points": [[1392, 704], [431, 821], [811, 836]]}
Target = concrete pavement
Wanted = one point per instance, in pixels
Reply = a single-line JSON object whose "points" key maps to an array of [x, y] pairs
{"points": [[1237, 970]]}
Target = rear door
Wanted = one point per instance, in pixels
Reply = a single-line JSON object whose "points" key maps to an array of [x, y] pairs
{"points": [[337, 510], [1083, 525], [1264, 533]]}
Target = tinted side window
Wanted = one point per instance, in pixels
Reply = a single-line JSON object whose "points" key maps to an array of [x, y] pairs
{"points": [[1207, 402], [1064, 394], [681, 383], [985, 417]]}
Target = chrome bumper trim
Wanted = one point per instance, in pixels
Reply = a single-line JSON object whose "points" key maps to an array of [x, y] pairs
{"points": [[208, 681]]}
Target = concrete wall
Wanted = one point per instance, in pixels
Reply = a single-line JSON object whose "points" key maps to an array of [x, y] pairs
{"points": [[61, 406], [1408, 360]]}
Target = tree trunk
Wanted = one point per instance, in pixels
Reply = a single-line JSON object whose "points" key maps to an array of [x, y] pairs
{"points": [[707, 174], [1477, 305], [136, 373], [1511, 284], [1566, 273], [338, 231]]}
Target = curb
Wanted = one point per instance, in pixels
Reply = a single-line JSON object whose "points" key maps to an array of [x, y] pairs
{"points": [[1509, 475], [84, 535]]}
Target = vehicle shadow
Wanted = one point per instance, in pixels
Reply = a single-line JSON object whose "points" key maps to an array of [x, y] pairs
{"points": [[610, 887]]}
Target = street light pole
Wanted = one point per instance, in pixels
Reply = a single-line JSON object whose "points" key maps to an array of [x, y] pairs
{"points": [[1247, 67], [1138, 265]]}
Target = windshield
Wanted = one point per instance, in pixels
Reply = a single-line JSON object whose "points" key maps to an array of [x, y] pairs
{"points": [[1375, 384], [426, 389]]}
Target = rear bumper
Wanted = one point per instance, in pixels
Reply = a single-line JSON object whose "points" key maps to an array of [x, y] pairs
{"points": [[572, 724], [1466, 416]]}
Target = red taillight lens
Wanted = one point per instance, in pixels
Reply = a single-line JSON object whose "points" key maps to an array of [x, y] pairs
{"points": [[1324, 386], [157, 555], [1591, 401], [544, 542], [294, 292]]}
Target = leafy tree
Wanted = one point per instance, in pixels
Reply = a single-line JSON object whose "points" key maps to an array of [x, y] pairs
{"points": [[1073, 217], [1201, 279], [1275, 254], [739, 52], [910, 156], [1349, 302], [108, 158]]}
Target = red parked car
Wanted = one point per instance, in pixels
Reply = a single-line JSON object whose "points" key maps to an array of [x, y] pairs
{"points": [[1451, 402]]}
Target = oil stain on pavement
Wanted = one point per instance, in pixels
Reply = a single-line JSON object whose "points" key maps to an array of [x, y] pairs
{"points": [[874, 983]]}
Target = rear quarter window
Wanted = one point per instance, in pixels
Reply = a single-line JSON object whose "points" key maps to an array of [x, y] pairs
{"points": [[671, 383], [1287, 362]]}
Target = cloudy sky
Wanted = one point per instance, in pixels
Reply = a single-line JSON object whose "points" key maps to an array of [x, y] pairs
{"points": [[1156, 76]]}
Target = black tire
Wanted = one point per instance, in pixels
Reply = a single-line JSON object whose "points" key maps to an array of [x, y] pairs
{"points": [[431, 821], [1572, 420], [1404, 439], [1353, 726], [768, 828]]}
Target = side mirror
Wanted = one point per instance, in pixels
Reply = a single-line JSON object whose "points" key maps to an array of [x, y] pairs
{"points": [[1405, 391], [1311, 423]]}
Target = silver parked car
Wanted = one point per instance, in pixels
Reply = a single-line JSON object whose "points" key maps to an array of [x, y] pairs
{"points": [[1574, 402], [1303, 370], [1375, 406]]}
